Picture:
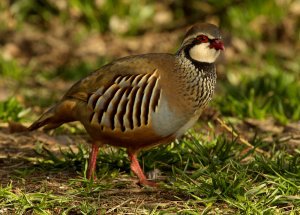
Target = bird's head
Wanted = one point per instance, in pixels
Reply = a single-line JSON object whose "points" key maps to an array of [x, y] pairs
{"points": [[202, 43]]}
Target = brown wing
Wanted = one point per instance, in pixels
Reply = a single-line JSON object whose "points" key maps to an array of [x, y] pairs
{"points": [[119, 95], [127, 103]]}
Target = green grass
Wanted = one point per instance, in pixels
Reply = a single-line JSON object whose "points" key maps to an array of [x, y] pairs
{"points": [[272, 93], [207, 173], [12, 69], [246, 19], [20, 203], [12, 110], [93, 15], [110, 161], [262, 185], [135, 16]]}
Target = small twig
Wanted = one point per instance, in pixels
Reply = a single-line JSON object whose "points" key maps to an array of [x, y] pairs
{"points": [[240, 138], [114, 208]]}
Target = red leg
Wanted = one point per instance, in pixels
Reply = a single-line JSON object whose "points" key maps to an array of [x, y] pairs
{"points": [[136, 169], [92, 161]]}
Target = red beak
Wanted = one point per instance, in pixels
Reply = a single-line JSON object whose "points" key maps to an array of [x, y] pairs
{"points": [[217, 44]]}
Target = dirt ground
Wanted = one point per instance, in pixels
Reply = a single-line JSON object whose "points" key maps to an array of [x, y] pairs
{"points": [[19, 157]]}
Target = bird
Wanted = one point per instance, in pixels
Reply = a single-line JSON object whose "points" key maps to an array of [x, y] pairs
{"points": [[142, 101]]}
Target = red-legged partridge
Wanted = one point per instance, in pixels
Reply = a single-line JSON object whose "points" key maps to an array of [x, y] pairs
{"points": [[142, 101]]}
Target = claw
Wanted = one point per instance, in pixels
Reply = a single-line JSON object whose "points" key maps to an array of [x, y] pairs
{"points": [[137, 170]]}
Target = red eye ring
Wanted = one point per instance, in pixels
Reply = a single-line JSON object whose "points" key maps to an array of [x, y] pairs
{"points": [[202, 38]]}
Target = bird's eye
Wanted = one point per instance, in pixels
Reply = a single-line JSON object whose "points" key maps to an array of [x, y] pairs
{"points": [[202, 38]]}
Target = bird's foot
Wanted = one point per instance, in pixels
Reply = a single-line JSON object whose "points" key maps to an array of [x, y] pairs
{"points": [[137, 170], [147, 183]]}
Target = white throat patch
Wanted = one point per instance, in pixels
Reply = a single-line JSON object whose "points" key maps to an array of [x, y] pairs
{"points": [[203, 53]]}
